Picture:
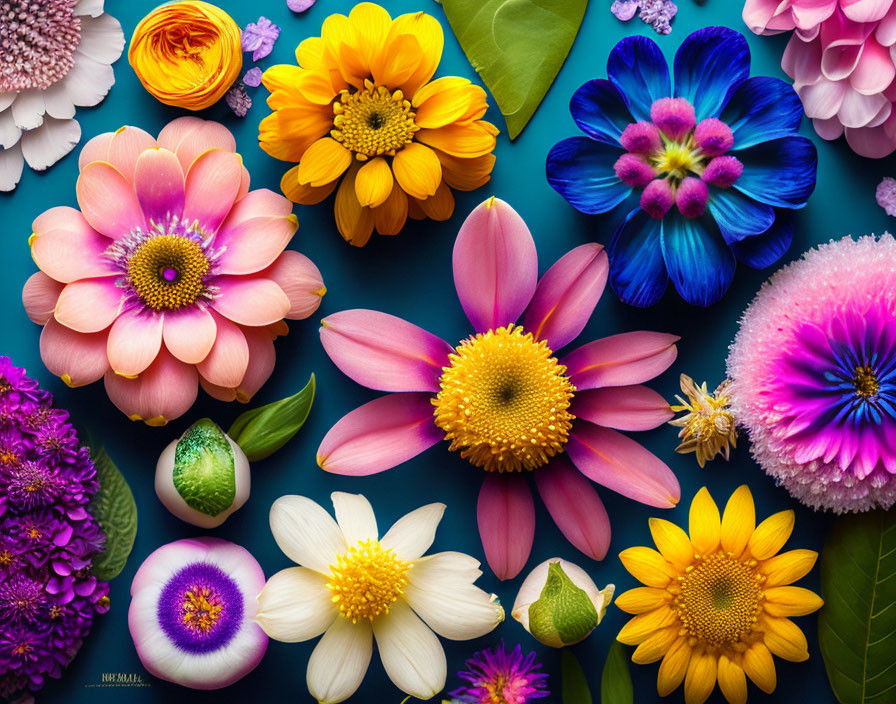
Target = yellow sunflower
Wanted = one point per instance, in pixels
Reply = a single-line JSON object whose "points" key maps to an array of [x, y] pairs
{"points": [[360, 111], [716, 605]]}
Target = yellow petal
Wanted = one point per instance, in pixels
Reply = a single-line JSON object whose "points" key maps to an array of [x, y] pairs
{"points": [[444, 101], [439, 207], [787, 567], [705, 522], [341, 46], [374, 182], [319, 87], [310, 53], [417, 170], [466, 174], [656, 646], [673, 667], [760, 667], [303, 194], [672, 542], [732, 681], [281, 77], [466, 141], [785, 639], [771, 535], [323, 162], [738, 521], [372, 24], [396, 60], [642, 599], [354, 222], [391, 216], [647, 566], [641, 627], [287, 133], [428, 32], [791, 601], [700, 679]]}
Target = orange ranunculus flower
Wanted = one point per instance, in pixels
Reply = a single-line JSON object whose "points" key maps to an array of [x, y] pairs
{"points": [[187, 53]]}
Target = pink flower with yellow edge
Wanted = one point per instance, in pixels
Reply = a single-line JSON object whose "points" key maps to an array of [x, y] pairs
{"points": [[503, 399], [172, 274]]}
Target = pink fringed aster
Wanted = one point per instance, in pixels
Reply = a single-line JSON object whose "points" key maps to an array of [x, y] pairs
{"points": [[503, 399], [171, 275], [813, 375], [498, 675]]}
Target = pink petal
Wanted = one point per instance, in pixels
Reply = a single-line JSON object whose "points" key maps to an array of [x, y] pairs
{"points": [[506, 516], [870, 142], [66, 248], [245, 180], [495, 265], [567, 294], [76, 358], [823, 99], [300, 280], [802, 61], [134, 341], [380, 435], [383, 352], [621, 360], [189, 333], [250, 300], [828, 129], [859, 110], [760, 16], [254, 244], [619, 463], [159, 183], [219, 393], [226, 364], [575, 506], [261, 362], [96, 149], [812, 13], [39, 296], [622, 407], [89, 305], [257, 204], [865, 10], [212, 184], [108, 200], [875, 70], [165, 391], [126, 146], [188, 137]]}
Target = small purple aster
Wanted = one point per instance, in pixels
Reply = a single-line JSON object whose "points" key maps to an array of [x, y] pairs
{"points": [[499, 675], [299, 5], [253, 77], [259, 37], [886, 196], [238, 100]]}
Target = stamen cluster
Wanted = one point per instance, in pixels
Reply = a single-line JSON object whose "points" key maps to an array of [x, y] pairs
{"points": [[38, 39], [373, 121], [367, 580]]}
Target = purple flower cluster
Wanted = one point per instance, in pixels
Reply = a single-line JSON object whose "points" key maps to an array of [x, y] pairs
{"points": [[657, 13], [48, 597]]}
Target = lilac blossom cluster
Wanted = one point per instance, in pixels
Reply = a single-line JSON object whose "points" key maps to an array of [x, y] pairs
{"points": [[657, 13]]}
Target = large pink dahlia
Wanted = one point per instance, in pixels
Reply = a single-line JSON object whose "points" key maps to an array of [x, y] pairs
{"points": [[501, 397], [171, 275], [813, 376]]}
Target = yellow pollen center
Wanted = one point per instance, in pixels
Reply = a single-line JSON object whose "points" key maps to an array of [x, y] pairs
{"points": [[8, 458], [167, 272], [865, 381], [678, 159], [504, 401], [719, 600], [367, 580], [373, 121], [201, 609], [6, 558]]}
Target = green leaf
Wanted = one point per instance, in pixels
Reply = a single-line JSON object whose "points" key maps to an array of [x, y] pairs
{"points": [[204, 471], [562, 610], [616, 680], [262, 431], [115, 509], [517, 47], [857, 626], [575, 686]]}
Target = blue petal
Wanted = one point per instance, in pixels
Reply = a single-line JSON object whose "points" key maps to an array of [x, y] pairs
{"points": [[699, 262], [637, 270], [599, 111], [581, 170], [761, 109], [737, 215], [780, 172], [760, 251], [639, 70], [708, 64]]}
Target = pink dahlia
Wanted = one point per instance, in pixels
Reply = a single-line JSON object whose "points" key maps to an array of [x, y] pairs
{"points": [[503, 399], [813, 376], [171, 275]]}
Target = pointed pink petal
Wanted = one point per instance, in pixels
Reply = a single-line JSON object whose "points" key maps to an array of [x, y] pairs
{"points": [[188, 137], [212, 184], [159, 183], [621, 360], [567, 294], [189, 333], [261, 362], [108, 200], [76, 358], [226, 364], [96, 149], [254, 244], [300, 280], [619, 463], [506, 516], [495, 265], [162, 393], [39, 296], [126, 146], [67, 248], [250, 300], [383, 352], [380, 435], [622, 407], [90, 305], [134, 341], [575, 506]]}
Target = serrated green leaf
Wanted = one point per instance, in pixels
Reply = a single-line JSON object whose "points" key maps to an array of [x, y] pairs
{"points": [[262, 431], [616, 680], [857, 626], [517, 47], [115, 509], [575, 686]]}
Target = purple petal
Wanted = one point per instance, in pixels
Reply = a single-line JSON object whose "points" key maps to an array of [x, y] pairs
{"points": [[299, 5], [624, 10], [253, 77]]}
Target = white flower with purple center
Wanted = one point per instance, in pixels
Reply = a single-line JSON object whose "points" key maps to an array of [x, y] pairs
{"points": [[192, 613]]}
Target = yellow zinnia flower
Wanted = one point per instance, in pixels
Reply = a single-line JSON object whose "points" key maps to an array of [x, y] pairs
{"points": [[361, 107], [716, 605]]}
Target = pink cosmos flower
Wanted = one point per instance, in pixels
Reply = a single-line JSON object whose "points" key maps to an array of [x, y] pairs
{"points": [[171, 275], [503, 399]]}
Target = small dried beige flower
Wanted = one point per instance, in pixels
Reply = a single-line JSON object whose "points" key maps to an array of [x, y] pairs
{"points": [[707, 426]]}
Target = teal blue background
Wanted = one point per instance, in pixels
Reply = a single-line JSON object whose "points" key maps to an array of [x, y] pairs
{"points": [[410, 276]]}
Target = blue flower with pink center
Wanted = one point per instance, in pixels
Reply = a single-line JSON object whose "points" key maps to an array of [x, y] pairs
{"points": [[708, 172]]}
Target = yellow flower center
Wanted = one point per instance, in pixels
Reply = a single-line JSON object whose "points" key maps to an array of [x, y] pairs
{"points": [[167, 272], [678, 159], [201, 609], [367, 580], [719, 600], [866, 383], [373, 121], [504, 401]]}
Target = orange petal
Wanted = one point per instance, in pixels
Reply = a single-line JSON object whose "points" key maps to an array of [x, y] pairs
{"points": [[354, 222], [417, 170]]}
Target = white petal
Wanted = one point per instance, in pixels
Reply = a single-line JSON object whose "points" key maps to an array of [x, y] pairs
{"points": [[50, 142], [11, 163], [355, 517], [412, 535], [9, 133], [339, 661], [412, 655], [451, 567], [237, 562], [101, 38], [58, 103], [295, 605], [6, 98], [89, 81], [28, 109], [306, 533], [94, 8]]}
